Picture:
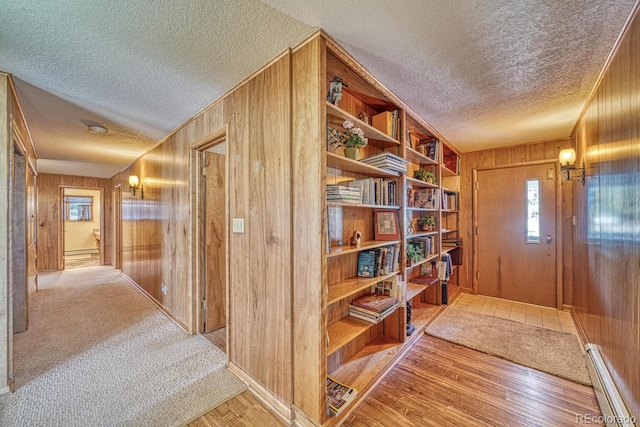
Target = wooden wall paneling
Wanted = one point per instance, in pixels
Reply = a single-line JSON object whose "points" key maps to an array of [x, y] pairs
{"points": [[6, 328], [606, 294], [309, 229]]}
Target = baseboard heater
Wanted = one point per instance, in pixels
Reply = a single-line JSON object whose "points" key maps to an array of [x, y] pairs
{"points": [[614, 411]]}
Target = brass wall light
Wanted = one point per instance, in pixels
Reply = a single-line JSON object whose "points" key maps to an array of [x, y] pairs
{"points": [[568, 169], [135, 187]]}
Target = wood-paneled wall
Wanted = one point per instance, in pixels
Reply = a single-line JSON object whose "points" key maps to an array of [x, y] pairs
{"points": [[157, 231], [606, 287], [504, 157], [48, 219]]}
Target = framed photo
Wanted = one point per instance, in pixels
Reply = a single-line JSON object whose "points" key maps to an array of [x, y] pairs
{"points": [[385, 225]]}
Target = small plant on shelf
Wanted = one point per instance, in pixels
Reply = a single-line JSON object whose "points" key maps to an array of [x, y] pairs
{"points": [[414, 253], [425, 175], [426, 223], [352, 138]]}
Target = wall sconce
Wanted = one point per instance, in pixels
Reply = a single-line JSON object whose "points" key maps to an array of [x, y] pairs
{"points": [[135, 187], [567, 166]]}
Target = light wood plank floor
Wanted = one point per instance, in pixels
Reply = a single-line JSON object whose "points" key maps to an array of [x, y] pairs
{"points": [[438, 383]]}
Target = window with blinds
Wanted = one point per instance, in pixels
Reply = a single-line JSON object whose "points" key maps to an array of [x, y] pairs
{"points": [[78, 208]]}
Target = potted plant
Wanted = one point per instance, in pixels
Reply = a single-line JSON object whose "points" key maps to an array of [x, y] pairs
{"points": [[352, 139], [426, 223], [414, 253], [425, 175]]}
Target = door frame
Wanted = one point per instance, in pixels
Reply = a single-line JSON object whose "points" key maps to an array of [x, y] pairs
{"points": [[558, 219], [61, 225], [117, 227], [197, 229]]}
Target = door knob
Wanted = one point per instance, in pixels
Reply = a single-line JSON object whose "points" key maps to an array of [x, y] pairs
{"points": [[549, 238]]}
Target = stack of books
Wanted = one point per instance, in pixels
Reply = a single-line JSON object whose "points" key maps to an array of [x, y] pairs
{"points": [[387, 161], [373, 308], [338, 396], [343, 194]]}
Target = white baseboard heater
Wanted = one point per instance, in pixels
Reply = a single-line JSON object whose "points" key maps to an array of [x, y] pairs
{"points": [[614, 411]]}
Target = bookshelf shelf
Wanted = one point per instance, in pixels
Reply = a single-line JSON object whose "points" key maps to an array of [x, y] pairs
{"points": [[414, 289], [343, 163], [423, 314], [450, 210], [424, 234], [448, 172], [352, 286], [345, 330], [369, 244], [336, 116], [419, 183], [414, 157], [427, 259], [360, 205], [422, 209]]}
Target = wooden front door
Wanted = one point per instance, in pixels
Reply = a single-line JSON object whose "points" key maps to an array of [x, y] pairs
{"points": [[516, 234]]}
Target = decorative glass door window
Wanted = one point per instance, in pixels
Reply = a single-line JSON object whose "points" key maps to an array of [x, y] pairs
{"points": [[533, 211]]}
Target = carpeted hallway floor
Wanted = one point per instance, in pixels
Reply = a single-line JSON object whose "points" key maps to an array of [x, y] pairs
{"points": [[98, 353]]}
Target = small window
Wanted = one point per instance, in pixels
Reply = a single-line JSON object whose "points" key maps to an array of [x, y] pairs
{"points": [[78, 208], [533, 211]]}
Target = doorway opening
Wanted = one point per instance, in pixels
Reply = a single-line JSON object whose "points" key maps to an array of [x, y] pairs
{"points": [[82, 225], [210, 217]]}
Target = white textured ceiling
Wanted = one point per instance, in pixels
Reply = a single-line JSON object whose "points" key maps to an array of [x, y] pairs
{"points": [[484, 73]]}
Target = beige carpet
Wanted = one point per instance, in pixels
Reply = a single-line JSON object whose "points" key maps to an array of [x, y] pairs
{"points": [[98, 353], [548, 351]]}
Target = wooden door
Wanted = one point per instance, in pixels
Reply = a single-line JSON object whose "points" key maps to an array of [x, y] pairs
{"points": [[516, 234], [215, 241]]}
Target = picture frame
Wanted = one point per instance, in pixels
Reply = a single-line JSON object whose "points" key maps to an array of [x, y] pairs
{"points": [[385, 224]]}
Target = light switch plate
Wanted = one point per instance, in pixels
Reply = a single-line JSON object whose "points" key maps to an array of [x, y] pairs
{"points": [[238, 225]]}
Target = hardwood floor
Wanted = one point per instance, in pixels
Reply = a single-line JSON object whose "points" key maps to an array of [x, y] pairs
{"points": [[218, 338], [443, 384], [438, 383], [244, 410]]}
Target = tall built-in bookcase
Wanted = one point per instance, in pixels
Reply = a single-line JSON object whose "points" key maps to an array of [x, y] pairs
{"points": [[350, 350]]}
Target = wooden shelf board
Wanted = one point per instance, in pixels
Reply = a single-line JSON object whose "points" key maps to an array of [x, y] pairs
{"points": [[414, 157], [425, 234], [345, 330], [419, 183], [352, 286], [336, 116], [446, 190], [413, 289], [455, 230], [360, 205], [364, 368], [339, 161], [447, 172], [411, 208], [427, 259], [450, 211], [368, 244]]}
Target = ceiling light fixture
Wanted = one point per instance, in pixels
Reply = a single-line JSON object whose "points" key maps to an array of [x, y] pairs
{"points": [[97, 129]]}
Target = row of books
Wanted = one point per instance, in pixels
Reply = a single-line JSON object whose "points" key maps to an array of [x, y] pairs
{"points": [[339, 396], [449, 201], [376, 191], [387, 161], [344, 194], [379, 261], [425, 198], [426, 244]]}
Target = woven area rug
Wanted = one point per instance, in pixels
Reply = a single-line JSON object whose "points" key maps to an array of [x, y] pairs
{"points": [[98, 353], [556, 353]]}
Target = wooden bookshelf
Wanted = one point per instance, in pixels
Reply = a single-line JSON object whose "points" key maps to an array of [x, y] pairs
{"points": [[345, 330], [361, 205], [419, 183]]}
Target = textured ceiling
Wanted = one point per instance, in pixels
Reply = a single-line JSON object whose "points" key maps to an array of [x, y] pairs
{"points": [[483, 73]]}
